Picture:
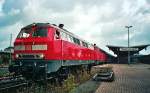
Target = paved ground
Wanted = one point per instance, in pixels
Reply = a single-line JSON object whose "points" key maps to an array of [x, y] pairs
{"points": [[87, 87], [128, 79]]}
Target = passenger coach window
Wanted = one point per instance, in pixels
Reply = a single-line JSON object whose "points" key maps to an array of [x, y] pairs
{"points": [[40, 32]]}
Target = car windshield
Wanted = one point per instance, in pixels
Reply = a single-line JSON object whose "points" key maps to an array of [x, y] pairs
{"points": [[40, 32], [24, 33]]}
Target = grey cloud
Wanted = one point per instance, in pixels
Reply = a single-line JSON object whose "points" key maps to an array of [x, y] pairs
{"points": [[104, 24], [144, 36], [59, 5], [8, 8], [148, 1], [9, 20], [13, 4]]}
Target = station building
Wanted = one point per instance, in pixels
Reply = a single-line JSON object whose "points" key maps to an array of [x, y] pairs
{"points": [[5, 55], [123, 52]]}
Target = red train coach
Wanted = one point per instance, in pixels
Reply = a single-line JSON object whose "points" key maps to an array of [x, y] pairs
{"points": [[45, 48]]}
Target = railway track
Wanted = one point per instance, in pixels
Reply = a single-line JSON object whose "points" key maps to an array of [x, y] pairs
{"points": [[8, 83], [18, 84]]}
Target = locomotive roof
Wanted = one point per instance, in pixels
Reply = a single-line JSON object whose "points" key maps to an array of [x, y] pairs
{"points": [[61, 29], [55, 26], [37, 24], [66, 31]]}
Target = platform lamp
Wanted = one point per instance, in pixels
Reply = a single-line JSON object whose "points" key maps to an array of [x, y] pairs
{"points": [[10, 49], [128, 27]]}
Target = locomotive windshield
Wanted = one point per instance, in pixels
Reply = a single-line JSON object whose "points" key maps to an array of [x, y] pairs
{"points": [[40, 32], [24, 33]]}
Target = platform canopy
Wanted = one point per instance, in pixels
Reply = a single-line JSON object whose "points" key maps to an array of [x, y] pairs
{"points": [[123, 51]]}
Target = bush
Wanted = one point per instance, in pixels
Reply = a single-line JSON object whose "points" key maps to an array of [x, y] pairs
{"points": [[69, 83], [3, 73]]}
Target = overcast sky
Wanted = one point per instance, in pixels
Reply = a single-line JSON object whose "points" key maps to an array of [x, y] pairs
{"points": [[97, 21]]}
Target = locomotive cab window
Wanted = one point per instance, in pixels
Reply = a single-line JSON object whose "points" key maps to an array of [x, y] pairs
{"points": [[24, 33], [40, 32], [57, 34]]}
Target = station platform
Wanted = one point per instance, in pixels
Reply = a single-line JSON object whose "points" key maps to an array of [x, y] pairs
{"points": [[133, 78]]}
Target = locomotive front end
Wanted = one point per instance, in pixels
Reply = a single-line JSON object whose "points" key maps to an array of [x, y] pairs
{"points": [[30, 51]]}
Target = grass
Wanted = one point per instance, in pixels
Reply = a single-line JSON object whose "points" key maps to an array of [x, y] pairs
{"points": [[71, 83], [3, 73]]}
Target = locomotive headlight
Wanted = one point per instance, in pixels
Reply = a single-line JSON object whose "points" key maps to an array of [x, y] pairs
{"points": [[41, 55], [17, 55]]}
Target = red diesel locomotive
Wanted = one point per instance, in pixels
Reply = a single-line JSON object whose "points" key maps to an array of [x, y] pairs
{"points": [[42, 49]]}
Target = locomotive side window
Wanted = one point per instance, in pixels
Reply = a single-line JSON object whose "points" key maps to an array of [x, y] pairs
{"points": [[57, 35], [77, 41], [91, 46], [74, 40], [81, 43], [70, 38], [40, 32], [24, 33], [84, 44], [64, 36]]}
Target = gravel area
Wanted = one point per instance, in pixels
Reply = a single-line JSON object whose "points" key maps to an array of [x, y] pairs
{"points": [[134, 78], [87, 87]]}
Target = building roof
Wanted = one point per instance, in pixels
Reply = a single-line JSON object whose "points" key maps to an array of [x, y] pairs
{"points": [[117, 49], [9, 49]]}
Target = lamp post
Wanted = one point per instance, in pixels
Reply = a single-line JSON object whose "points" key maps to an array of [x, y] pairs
{"points": [[10, 49], [128, 27]]}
